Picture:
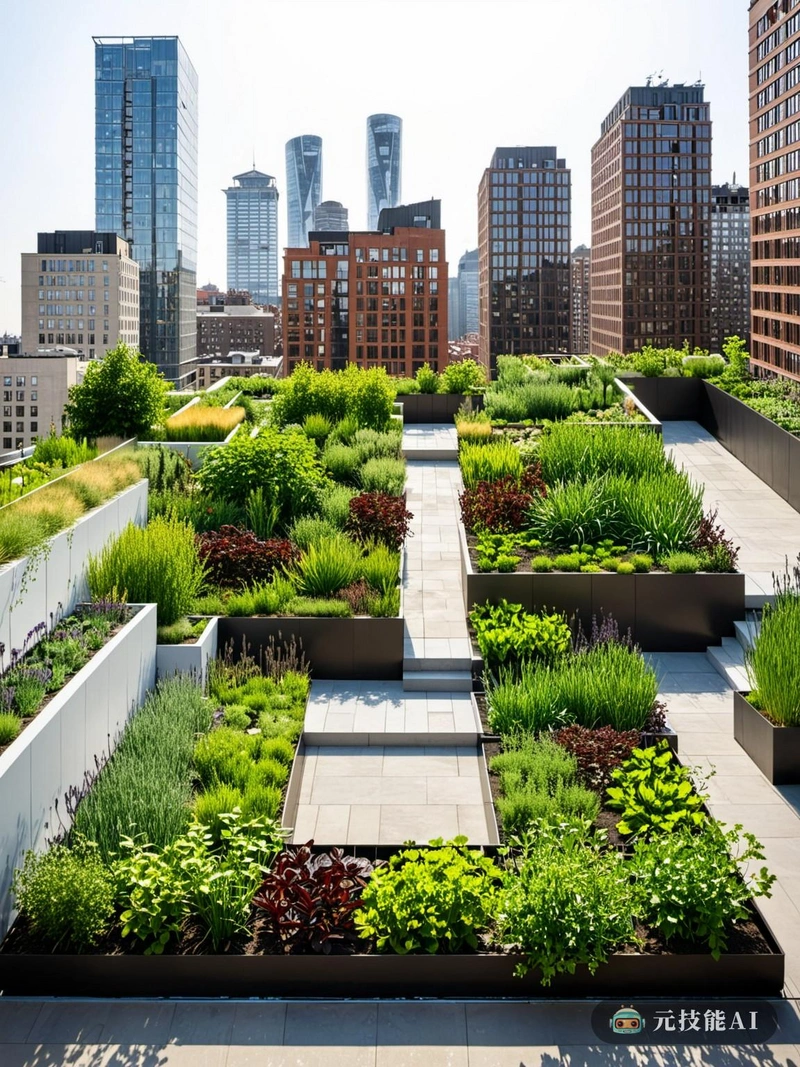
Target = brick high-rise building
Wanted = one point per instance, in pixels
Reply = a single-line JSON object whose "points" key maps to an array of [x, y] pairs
{"points": [[730, 263], [372, 298], [581, 290], [775, 186], [651, 230], [524, 217]]}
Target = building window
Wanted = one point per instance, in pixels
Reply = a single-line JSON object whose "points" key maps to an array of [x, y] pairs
{"points": [[20, 427], [34, 427], [7, 379], [6, 442], [20, 410], [34, 411], [20, 379], [34, 379]]}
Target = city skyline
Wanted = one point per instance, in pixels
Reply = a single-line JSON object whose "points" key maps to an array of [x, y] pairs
{"points": [[232, 126]]}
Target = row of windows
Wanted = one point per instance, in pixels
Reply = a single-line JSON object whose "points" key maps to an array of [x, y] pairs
{"points": [[777, 275], [784, 110], [783, 84], [786, 219], [671, 131], [8, 396], [779, 8], [7, 426], [766, 172], [778, 329], [781, 303], [775, 357], [776, 194], [672, 179], [671, 196], [7, 379], [530, 177], [778, 36], [780, 248], [81, 265], [667, 162], [676, 112]]}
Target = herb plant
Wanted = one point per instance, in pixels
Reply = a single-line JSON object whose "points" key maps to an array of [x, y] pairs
{"points": [[654, 793]]}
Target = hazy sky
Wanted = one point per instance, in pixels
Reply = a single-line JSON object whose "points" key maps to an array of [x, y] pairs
{"points": [[464, 75]]}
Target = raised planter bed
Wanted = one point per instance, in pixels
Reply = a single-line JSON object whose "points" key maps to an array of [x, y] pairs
{"points": [[193, 450], [189, 658], [775, 750], [435, 407], [369, 976], [51, 583], [665, 612], [81, 723]]}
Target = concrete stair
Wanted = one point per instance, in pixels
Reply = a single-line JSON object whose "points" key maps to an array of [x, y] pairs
{"points": [[728, 658], [437, 681]]}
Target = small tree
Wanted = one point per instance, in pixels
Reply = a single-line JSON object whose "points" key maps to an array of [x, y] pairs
{"points": [[121, 395]]}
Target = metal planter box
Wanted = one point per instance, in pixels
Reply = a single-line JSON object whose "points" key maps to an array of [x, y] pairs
{"points": [[775, 750]]}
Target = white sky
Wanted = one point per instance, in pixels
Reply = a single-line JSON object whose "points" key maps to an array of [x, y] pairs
{"points": [[464, 75]]}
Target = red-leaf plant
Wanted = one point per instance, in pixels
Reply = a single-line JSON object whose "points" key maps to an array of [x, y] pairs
{"points": [[235, 557], [598, 751], [379, 517], [310, 899]]}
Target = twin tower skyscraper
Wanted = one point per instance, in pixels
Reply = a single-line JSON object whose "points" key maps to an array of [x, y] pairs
{"points": [[304, 175]]}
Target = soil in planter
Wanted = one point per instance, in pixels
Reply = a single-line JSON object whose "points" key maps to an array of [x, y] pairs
{"points": [[525, 558], [744, 939]]}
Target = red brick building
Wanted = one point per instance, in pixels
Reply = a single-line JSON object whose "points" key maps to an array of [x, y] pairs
{"points": [[373, 298]]}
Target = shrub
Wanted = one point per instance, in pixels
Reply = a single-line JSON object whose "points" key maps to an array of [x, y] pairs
{"points": [[532, 400], [488, 462], [341, 462], [334, 504], [574, 513], [211, 805], [523, 704], [373, 445], [122, 395], [682, 562], [158, 564], [310, 901], [691, 886], [383, 476], [659, 514], [654, 793], [379, 517], [427, 379], [385, 605], [566, 901], [501, 505], [429, 900], [541, 564], [641, 562], [703, 366], [307, 530], [146, 786], [718, 553], [283, 463], [317, 427], [464, 377], [597, 751], [773, 665], [509, 636], [66, 894], [324, 569], [625, 568], [381, 568], [234, 557], [203, 423], [364, 395], [262, 515]]}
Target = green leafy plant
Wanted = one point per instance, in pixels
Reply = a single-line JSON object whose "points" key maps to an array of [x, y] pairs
{"points": [[507, 635], [565, 901], [654, 793], [380, 568], [10, 726], [427, 379], [567, 452], [429, 900], [463, 377], [66, 894], [334, 504], [690, 883], [383, 475], [341, 462]]}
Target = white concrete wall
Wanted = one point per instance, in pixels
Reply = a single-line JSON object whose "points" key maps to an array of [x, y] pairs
{"points": [[52, 583], [189, 659], [83, 720]]}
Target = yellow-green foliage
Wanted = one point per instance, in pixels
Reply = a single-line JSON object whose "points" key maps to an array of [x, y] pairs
{"points": [[203, 423]]}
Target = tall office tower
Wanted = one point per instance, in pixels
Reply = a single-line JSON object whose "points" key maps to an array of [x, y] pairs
{"points": [[303, 186], [80, 289], [330, 215], [730, 263], [146, 185], [581, 266], [468, 293], [775, 186], [378, 298], [253, 236], [453, 314], [524, 210], [651, 229], [384, 165]]}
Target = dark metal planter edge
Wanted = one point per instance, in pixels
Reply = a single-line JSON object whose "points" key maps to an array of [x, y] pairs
{"points": [[775, 750]]}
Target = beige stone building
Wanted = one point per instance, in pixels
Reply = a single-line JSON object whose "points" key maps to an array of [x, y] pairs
{"points": [[35, 390], [80, 289]]}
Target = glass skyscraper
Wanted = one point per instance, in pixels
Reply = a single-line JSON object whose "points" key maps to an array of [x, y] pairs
{"points": [[303, 186], [384, 162], [146, 185], [253, 236]]}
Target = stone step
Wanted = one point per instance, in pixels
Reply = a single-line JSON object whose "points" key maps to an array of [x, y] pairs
{"points": [[431, 455], [438, 681], [747, 631], [728, 660], [437, 663]]}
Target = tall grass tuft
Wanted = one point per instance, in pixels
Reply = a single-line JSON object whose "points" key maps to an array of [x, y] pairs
{"points": [[158, 564], [773, 664], [327, 567], [199, 423], [146, 787], [489, 462], [569, 451]]}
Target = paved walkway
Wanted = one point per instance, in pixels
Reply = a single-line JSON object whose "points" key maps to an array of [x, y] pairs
{"points": [[766, 528], [247, 1034]]}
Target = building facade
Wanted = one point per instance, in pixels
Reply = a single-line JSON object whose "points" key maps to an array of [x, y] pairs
{"points": [[252, 218], [524, 276], [35, 390], [468, 316], [453, 311], [226, 328], [146, 185], [651, 229], [371, 298], [303, 186], [730, 263], [581, 267], [775, 186], [384, 165], [330, 215], [79, 289], [211, 369]]}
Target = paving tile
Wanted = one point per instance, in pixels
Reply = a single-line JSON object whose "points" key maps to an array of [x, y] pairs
{"points": [[417, 822], [472, 824], [332, 821], [17, 1018], [464, 790], [258, 1025], [419, 765], [364, 762], [421, 1035], [364, 825]]}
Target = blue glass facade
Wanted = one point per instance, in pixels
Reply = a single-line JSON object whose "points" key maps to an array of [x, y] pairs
{"points": [[253, 236], [303, 186], [384, 163], [146, 185]]}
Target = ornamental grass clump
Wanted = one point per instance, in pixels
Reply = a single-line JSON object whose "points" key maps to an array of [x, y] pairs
{"points": [[200, 423], [488, 462], [569, 451], [773, 664], [324, 569], [383, 475], [158, 564]]}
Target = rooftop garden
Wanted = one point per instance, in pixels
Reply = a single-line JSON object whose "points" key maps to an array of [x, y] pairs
{"points": [[464, 377]]}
